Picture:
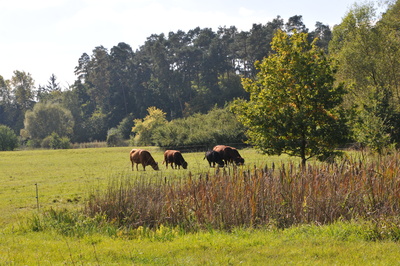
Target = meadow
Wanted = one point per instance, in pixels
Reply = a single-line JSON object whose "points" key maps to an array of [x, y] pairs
{"points": [[64, 178], [52, 229]]}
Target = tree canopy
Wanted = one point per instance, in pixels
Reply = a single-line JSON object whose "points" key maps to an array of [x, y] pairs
{"points": [[367, 49], [187, 74], [293, 106], [46, 119], [8, 139]]}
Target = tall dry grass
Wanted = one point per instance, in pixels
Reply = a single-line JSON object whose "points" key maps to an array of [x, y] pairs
{"points": [[250, 197]]}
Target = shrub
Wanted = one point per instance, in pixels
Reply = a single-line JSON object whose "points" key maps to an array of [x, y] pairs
{"points": [[65, 143], [114, 138], [8, 139], [54, 141], [216, 127], [125, 126], [47, 118], [34, 143], [144, 128]]}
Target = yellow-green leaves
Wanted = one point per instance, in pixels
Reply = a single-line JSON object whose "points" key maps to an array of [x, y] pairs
{"points": [[293, 100]]}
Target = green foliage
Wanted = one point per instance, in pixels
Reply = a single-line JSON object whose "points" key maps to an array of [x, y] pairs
{"points": [[181, 73], [371, 126], [8, 139], [114, 138], [293, 106], [125, 126], [96, 126], [367, 49], [216, 127], [71, 223], [45, 119], [54, 141], [34, 143], [22, 85], [144, 128]]}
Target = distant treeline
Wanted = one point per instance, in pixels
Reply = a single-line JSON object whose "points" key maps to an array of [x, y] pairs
{"points": [[181, 73], [189, 73]]}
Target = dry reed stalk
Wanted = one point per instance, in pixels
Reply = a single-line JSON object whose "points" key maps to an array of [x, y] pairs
{"points": [[259, 196]]}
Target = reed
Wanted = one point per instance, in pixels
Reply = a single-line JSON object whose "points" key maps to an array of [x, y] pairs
{"points": [[258, 196]]}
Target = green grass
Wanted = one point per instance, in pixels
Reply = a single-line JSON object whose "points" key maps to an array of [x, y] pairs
{"points": [[300, 246], [66, 178]]}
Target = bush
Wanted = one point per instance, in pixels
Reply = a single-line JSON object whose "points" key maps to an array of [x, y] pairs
{"points": [[144, 128], [125, 126], [114, 138], [34, 143], [8, 139], [54, 141], [47, 118], [216, 127]]}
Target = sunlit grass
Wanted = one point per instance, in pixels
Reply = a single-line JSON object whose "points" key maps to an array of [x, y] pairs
{"points": [[298, 245], [65, 178]]}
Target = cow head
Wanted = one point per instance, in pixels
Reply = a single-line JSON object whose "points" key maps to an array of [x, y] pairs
{"points": [[184, 165], [239, 161], [155, 166]]}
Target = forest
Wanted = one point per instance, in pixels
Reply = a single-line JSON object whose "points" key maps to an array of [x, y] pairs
{"points": [[186, 77]]}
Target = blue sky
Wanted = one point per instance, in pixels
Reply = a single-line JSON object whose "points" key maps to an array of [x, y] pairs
{"points": [[43, 37]]}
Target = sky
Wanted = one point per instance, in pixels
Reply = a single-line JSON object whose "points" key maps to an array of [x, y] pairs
{"points": [[45, 37]]}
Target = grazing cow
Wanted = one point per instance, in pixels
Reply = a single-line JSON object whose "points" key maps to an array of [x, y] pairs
{"points": [[174, 157], [236, 157], [214, 157], [143, 157], [229, 154]]}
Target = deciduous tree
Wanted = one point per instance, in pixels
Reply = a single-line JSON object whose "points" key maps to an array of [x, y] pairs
{"points": [[293, 106], [45, 119], [8, 139], [144, 128], [367, 49]]}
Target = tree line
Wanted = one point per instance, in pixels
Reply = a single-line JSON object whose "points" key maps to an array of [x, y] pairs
{"points": [[182, 74]]}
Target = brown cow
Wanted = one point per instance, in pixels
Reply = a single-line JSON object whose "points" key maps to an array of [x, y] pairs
{"points": [[143, 157], [229, 154], [174, 157]]}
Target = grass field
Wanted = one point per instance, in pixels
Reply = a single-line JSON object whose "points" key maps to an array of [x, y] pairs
{"points": [[66, 178]]}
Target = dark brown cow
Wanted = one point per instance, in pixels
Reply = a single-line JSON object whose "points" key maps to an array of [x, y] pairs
{"points": [[143, 157], [174, 157], [214, 157], [229, 154]]}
